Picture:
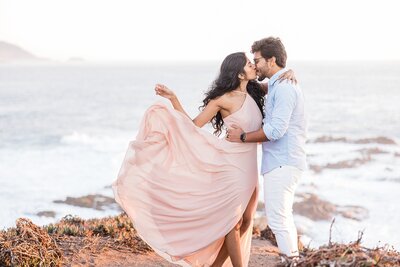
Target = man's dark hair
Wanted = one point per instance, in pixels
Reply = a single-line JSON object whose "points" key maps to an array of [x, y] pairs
{"points": [[271, 47]]}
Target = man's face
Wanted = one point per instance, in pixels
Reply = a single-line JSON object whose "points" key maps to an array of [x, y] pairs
{"points": [[262, 66]]}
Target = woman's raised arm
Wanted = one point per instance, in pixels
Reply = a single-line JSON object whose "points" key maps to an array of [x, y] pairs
{"points": [[204, 117]]}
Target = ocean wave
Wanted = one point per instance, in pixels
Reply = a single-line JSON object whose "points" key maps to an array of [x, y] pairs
{"points": [[389, 179], [80, 138], [97, 142]]}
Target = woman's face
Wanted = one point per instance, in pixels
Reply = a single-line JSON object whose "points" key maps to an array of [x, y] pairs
{"points": [[250, 70]]}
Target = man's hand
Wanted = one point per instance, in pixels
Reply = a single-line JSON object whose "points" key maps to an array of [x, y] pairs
{"points": [[233, 134]]}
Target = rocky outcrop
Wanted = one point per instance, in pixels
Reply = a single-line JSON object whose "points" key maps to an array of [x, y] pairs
{"points": [[13, 53]]}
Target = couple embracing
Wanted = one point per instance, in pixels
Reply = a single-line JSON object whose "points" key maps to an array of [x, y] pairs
{"points": [[191, 195]]}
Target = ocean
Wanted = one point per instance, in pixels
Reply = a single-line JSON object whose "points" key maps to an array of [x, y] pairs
{"points": [[64, 130]]}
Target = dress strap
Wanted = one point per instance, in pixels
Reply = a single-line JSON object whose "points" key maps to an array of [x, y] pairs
{"points": [[240, 92]]}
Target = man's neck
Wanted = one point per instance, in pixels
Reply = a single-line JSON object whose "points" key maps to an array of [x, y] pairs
{"points": [[274, 70]]}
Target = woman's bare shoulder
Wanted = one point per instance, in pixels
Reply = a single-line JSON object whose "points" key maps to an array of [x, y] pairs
{"points": [[220, 100]]}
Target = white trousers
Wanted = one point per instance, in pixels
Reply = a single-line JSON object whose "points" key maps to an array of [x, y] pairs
{"points": [[279, 188]]}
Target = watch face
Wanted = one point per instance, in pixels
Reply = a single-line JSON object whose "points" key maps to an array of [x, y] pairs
{"points": [[242, 137]]}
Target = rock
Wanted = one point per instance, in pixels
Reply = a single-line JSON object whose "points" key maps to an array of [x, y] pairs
{"points": [[317, 209], [356, 213], [372, 151], [314, 208], [260, 206], [98, 202], [46, 213], [328, 139], [12, 53], [344, 164], [260, 223], [378, 140]]}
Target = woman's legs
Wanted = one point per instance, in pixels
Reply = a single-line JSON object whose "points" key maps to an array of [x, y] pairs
{"points": [[242, 227], [232, 241], [248, 213], [231, 247]]}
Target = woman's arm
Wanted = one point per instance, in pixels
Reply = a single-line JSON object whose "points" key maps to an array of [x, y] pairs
{"points": [[165, 92], [208, 113], [288, 75], [204, 117]]}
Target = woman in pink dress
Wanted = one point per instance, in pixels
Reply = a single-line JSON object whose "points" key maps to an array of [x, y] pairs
{"points": [[190, 194]]}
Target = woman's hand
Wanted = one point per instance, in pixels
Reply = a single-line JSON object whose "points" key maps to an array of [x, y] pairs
{"points": [[164, 91], [288, 75]]}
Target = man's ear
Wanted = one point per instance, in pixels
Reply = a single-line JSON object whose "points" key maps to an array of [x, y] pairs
{"points": [[273, 60]]}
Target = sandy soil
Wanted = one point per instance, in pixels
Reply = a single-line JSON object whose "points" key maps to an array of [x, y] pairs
{"points": [[262, 254]]}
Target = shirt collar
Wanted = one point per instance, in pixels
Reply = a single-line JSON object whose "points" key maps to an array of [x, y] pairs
{"points": [[275, 77]]}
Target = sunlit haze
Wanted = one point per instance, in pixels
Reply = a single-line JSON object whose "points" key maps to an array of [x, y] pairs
{"points": [[155, 30]]}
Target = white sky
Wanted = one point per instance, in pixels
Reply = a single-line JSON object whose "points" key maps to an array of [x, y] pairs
{"points": [[162, 30]]}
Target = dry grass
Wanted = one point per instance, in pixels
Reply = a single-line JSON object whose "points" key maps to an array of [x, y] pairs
{"points": [[337, 255], [62, 244], [28, 245], [118, 230], [344, 255]]}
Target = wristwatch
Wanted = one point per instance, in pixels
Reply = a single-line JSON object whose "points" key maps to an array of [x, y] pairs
{"points": [[243, 137]]}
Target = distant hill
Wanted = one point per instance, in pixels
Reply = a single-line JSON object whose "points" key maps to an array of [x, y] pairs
{"points": [[12, 53]]}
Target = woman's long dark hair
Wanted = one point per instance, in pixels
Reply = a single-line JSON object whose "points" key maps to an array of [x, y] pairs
{"points": [[227, 81]]}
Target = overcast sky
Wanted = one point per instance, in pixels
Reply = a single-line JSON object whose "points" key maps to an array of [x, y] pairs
{"points": [[163, 30]]}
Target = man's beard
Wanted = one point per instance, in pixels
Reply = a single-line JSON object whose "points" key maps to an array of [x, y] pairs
{"points": [[261, 78]]}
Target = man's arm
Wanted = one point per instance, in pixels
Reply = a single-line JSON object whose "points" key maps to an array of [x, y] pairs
{"points": [[251, 137], [285, 102]]}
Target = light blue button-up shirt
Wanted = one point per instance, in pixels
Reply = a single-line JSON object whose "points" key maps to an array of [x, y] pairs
{"points": [[285, 125]]}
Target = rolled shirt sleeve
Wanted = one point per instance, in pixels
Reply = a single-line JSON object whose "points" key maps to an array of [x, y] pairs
{"points": [[284, 103]]}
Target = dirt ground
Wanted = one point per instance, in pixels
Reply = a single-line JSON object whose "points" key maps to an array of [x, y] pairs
{"points": [[263, 253]]}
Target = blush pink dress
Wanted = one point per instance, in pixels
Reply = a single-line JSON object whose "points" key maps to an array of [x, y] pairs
{"points": [[184, 188]]}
